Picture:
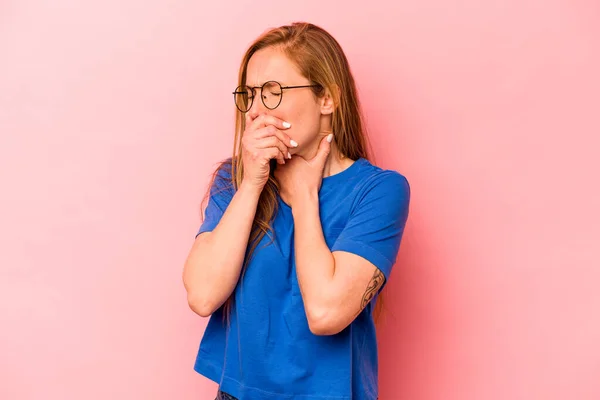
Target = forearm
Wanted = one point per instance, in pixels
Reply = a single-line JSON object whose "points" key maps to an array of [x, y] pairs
{"points": [[213, 266], [315, 265]]}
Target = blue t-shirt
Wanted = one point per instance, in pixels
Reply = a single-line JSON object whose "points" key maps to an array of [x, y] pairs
{"points": [[266, 351]]}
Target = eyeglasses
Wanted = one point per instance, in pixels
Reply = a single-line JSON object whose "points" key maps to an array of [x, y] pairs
{"points": [[271, 93]]}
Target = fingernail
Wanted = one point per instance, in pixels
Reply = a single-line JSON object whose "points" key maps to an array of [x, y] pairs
{"points": [[293, 143], [330, 137], [286, 124], [289, 155]]}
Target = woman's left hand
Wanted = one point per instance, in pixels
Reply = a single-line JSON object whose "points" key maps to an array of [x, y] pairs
{"points": [[299, 177]]}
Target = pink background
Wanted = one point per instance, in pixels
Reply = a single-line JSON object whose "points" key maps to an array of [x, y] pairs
{"points": [[113, 113]]}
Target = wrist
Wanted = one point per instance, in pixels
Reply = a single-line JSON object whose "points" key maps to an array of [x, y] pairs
{"points": [[305, 202], [249, 189]]}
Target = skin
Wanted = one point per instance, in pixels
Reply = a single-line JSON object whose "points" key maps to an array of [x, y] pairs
{"points": [[310, 118], [336, 286]]}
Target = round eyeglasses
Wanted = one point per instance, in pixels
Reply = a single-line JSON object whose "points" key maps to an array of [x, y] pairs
{"points": [[271, 93]]}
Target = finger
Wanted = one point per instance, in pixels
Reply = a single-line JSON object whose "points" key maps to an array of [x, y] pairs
{"points": [[264, 120], [274, 153], [271, 130], [273, 141], [324, 149]]}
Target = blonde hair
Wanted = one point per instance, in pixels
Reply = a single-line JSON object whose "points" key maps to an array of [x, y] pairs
{"points": [[319, 58]]}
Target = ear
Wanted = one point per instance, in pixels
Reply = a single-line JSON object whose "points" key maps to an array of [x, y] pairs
{"points": [[328, 102]]}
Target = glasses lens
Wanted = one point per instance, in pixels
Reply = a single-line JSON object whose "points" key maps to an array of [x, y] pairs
{"points": [[243, 98], [271, 93]]}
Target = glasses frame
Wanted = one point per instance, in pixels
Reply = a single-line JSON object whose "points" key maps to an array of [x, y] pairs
{"points": [[237, 91]]}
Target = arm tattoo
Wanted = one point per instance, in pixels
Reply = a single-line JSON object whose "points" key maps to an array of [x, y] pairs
{"points": [[372, 288]]}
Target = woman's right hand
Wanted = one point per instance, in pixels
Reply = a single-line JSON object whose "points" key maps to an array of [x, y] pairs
{"points": [[262, 141]]}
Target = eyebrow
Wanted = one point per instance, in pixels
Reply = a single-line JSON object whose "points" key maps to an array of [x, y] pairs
{"points": [[270, 80]]}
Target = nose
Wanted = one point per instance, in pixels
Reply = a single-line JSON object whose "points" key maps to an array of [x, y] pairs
{"points": [[257, 108]]}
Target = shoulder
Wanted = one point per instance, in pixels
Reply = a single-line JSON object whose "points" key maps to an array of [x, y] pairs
{"points": [[224, 168], [222, 177], [376, 181]]}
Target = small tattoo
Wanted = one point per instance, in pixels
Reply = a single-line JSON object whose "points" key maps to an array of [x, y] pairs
{"points": [[372, 288]]}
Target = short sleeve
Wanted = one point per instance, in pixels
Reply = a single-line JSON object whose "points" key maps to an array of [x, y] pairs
{"points": [[221, 193], [375, 227]]}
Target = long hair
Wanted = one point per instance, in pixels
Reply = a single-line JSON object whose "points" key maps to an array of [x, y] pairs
{"points": [[319, 58]]}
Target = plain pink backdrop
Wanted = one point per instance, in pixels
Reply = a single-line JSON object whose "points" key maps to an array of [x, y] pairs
{"points": [[113, 113]]}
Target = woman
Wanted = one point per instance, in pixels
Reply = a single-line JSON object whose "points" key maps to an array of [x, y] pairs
{"points": [[300, 232]]}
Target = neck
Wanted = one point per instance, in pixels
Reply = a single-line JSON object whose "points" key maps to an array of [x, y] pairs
{"points": [[335, 163]]}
